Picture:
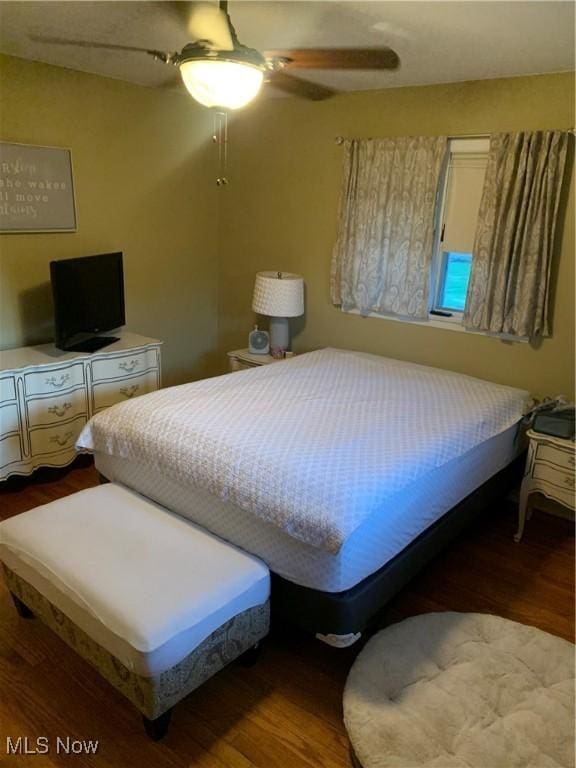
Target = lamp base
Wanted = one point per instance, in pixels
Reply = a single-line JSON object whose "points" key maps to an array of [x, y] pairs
{"points": [[279, 333]]}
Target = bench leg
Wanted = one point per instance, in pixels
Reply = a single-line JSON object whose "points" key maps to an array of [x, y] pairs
{"points": [[158, 728], [251, 656], [23, 611]]}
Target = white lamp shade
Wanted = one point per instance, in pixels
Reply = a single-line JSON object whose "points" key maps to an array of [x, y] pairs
{"points": [[278, 296], [221, 83]]}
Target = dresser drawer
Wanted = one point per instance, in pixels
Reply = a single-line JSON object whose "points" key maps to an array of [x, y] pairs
{"points": [[10, 450], [120, 366], [112, 392], [55, 439], [54, 380], [9, 419], [555, 456], [52, 410], [7, 388]]}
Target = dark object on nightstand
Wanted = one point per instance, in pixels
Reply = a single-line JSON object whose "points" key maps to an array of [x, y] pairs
{"points": [[559, 422]]}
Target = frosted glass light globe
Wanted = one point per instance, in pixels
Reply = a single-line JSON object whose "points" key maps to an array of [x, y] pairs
{"points": [[221, 83]]}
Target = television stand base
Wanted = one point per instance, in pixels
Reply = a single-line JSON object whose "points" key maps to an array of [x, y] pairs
{"points": [[93, 344]]}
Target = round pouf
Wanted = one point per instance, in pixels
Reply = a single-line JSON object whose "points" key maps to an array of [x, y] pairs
{"points": [[462, 690]]}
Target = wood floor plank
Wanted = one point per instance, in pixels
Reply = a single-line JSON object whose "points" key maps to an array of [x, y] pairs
{"points": [[286, 711]]}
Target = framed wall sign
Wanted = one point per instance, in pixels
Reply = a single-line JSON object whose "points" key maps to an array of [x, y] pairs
{"points": [[36, 189]]}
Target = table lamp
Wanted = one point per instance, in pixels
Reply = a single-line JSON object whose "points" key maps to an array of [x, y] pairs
{"points": [[279, 295]]}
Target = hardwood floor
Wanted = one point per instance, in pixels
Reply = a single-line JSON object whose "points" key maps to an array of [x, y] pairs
{"points": [[285, 710]]}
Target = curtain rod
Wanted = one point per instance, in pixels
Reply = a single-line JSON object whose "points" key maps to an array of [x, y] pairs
{"points": [[341, 139]]}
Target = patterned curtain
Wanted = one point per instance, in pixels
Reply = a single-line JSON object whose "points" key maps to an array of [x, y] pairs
{"points": [[508, 288], [382, 257]]}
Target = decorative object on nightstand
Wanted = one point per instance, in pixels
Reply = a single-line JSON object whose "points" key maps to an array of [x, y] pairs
{"points": [[549, 470], [558, 421], [242, 359], [258, 342], [280, 295]]}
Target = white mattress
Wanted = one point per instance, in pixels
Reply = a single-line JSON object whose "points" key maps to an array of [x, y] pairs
{"points": [[146, 585], [382, 536]]}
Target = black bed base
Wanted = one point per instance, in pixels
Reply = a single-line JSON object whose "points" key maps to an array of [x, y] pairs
{"points": [[341, 613]]}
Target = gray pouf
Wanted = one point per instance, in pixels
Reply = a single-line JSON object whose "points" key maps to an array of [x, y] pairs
{"points": [[462, 690]]}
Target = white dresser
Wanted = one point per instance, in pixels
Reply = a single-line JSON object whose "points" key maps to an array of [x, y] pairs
{"points": [[47, 395]]}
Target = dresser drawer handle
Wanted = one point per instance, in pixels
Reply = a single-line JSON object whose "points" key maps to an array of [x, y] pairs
{"points": [[52, 382], [129, 391], [60, 410], [62, 439], [569, 481], [571, 461], [129, 367]]}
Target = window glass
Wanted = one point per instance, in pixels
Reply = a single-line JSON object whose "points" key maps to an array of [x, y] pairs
{"points": [[454, 282]]}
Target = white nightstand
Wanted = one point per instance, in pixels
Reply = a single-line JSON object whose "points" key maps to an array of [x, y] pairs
{"points": [[241, 359], [549, 470]]}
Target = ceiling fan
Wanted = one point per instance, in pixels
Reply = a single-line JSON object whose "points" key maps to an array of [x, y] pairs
{"points": [[219, 71]]}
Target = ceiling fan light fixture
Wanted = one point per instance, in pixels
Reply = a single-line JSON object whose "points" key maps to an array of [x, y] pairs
{"points": [[218, 83]]}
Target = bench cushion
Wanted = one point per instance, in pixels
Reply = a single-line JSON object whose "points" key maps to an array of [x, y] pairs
{"points": [[144, 583]]}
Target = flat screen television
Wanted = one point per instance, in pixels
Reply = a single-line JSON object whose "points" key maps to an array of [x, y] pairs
{"points": [[88, 295]]}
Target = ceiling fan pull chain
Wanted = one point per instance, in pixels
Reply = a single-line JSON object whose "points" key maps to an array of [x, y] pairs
{"points": [[220, 138], [225, 150]]}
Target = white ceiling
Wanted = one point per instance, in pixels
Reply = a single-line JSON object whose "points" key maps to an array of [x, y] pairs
{"points": [[437, 41]]}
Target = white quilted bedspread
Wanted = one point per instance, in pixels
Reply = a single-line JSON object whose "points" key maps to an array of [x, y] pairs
{"points": [[313, 445]]}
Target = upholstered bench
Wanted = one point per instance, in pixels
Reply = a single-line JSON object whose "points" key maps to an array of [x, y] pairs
{"points": [[155, 603]]}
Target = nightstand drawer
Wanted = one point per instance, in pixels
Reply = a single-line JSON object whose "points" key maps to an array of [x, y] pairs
{"points": [[241, 365], [555, 456], [243, 360], [559, 478]]}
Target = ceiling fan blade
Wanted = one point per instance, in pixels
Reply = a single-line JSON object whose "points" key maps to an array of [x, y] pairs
{"points": [[338, 58], [210, 23], [297, 87], [92, 44]]}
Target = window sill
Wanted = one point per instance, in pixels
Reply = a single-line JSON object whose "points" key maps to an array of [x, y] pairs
{"points": [[453, 323]]}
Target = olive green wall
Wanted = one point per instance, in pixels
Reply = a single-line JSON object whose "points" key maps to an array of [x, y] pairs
{"points": [[144, 175], [144, 171], [280, 212]]}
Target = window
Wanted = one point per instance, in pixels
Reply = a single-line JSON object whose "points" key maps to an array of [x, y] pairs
{"points": [[457, 213]]}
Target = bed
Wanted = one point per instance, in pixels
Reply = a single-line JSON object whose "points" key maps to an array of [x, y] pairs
{"points": [[345, 472]]}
